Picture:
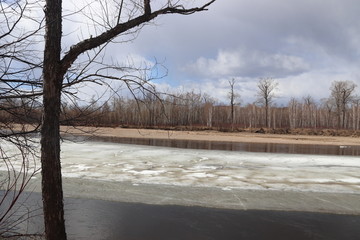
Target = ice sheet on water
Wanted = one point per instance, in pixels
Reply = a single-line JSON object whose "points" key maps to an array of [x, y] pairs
{"points": [[223, 169]]}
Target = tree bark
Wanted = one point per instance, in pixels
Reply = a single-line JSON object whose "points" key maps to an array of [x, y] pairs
{"points": [[50, 133]]}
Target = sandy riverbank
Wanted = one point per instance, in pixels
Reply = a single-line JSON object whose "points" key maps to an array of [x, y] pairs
{"points": [[245, 137]]}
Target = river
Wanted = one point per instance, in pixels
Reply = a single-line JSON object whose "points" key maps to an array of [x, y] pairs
{"points": [[183, 190]]}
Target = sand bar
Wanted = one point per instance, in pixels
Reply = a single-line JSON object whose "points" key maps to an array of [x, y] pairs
{"points": [[244, 137]]}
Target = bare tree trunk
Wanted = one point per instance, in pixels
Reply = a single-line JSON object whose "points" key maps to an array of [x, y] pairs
{"points": [[339, 120], [358, 118], [267, 124], [274, 118], [50, 135], [344, 118]]}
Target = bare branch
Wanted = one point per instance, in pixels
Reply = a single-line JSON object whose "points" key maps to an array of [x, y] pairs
{"points": [[107, 36]]}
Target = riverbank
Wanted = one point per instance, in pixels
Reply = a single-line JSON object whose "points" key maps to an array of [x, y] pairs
{"points": [[242, 137]]}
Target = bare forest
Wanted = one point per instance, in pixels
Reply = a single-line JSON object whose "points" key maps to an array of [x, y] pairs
{"points": [[200, 111], [196, 111]]}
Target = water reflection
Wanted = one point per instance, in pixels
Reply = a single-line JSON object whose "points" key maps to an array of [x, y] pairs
{"points": [[236, 146]]}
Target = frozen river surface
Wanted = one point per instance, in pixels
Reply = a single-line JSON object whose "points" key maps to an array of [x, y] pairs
{"points": [[210, 168], [226, 170]]}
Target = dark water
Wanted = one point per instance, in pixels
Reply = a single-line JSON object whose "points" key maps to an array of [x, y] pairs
{"points": [[96, 219], [235, 146]]}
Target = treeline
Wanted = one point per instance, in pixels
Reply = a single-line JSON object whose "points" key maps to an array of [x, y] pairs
{"points": [[200, 111], [195, 111]]}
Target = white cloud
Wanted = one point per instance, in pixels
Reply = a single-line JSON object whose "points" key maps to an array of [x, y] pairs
{"points": [[315, 83], [245, 63], [226, 63]]}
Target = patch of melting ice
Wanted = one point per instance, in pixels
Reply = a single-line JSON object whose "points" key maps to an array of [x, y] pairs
{"points": [[223, 169]]}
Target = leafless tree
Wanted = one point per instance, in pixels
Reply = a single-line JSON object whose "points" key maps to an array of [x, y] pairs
{"points": [[342, 95], [309, 112], [266, 95], [233, 96], [327, 107], [209, 103], [356, 113], [293, 107], [55, 67]]}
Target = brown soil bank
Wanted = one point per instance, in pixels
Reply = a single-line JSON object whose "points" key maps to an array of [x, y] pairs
{"points": [[301, 137]]}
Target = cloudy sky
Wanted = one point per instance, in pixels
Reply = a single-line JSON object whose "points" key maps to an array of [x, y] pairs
{"points": [[303, 45]]}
